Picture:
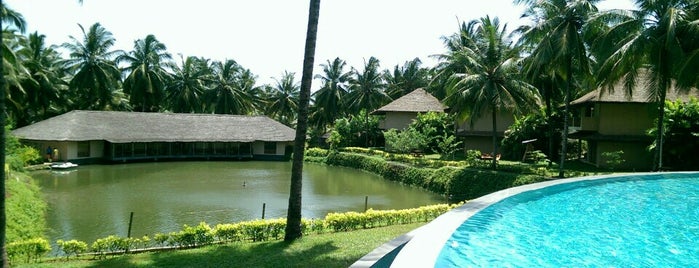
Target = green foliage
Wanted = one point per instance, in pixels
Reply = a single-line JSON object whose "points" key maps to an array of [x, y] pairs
{"points": [[533, 126], [18, 155], [25, 208], [192, 236], [407, 140], [72, 247], [613, 159], [113, 244], [681, 135], [473, 157], [435, 126], [357, 130], [28, 250], [447, 145]]}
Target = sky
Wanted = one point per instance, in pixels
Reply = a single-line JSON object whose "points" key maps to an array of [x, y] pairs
{"points": [[268, 36]]}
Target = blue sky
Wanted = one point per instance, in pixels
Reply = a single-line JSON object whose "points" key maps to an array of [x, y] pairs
{"points": [[267, 36]]}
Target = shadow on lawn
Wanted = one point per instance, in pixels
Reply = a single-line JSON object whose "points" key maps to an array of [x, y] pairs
{"points": [[271, 254]]}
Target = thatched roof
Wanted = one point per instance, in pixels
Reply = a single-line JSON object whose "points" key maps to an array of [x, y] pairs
{"points": [[640, 94], [122, 127], [418, 101]]}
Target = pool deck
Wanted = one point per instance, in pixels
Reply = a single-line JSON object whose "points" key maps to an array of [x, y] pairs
{"points": [[422, 246]]}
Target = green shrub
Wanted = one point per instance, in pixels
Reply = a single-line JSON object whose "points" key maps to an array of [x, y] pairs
{"points": [[28, 250], [228, 232], [192, 236], [316, 152], [72, 247]]}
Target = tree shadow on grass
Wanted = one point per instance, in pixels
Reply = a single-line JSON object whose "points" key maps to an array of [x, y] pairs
{"points": [[268, 254]]}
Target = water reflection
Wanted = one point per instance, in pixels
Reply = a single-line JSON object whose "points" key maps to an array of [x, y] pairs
{"points": [[95, 201]]}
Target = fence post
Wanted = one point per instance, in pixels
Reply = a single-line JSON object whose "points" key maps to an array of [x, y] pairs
{"points": [[264, 206], [128, 235]]}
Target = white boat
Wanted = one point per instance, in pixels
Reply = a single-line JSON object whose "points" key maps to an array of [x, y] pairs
{"points": [[63, 165]]}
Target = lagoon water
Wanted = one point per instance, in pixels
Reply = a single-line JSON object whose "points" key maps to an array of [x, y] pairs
{"points": [[93, 202]]}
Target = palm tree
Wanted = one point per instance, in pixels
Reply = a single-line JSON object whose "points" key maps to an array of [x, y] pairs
{"points": [[293, 219], [328, 100], [648, 43], [228, 95], [404, 79], [185, 92], [559, 30], [147, 77], [366, 91], [44, 87], [97, 76], [283, 99], [491, 82]]}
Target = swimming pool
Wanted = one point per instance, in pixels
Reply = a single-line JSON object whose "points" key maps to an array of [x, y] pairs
{"points": [[648, 220]]}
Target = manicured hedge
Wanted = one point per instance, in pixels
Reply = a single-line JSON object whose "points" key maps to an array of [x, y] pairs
{"points": [[248, 231], [453, 180]]}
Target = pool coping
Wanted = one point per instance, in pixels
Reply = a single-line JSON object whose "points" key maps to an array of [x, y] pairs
{"points": [[422, 246]]}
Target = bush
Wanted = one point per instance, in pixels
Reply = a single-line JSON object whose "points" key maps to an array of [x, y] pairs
{"points": [[30, 249], [25, 209], [72, 247], [192, 236]]}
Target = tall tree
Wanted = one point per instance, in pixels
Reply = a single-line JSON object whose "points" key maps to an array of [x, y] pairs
{"points": [[404, 79], [147, 77], [185, 92], [97, 77], [491, 81], [283, 99], [559, 27], [293, 219], [229, 95], [328, 101], [367, 88], [647, 43], [44, 86]]}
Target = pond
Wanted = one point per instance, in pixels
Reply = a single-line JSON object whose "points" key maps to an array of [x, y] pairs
{"points": [[95, 201]]}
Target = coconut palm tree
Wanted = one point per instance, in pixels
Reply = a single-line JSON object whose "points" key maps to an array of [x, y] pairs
{"points": [[328, 100], [228, 95], [185, 92], [558, 27], [44, 86], [404, 79], [146, 79], [367, 88], [283, 99], [96, 78], [293, 219], [650, 42], [491, 81]]}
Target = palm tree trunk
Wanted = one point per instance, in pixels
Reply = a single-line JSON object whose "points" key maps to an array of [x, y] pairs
{"points": [[495, 139], [659, 137], [3, 212], [564, 141], [293, 218]]}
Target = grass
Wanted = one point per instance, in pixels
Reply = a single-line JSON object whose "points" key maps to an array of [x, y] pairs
{"points": [[315, 250]]}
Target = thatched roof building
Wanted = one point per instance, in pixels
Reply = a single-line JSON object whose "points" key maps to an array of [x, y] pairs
{"points": [[418, 101], [98, 136], [121, 127]]}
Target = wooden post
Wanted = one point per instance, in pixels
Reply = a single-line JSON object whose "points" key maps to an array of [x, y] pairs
{"points": [[128, 235], [264, 206]]}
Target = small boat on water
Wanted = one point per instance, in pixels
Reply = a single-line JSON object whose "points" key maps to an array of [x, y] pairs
{"points": [[63, 165]]}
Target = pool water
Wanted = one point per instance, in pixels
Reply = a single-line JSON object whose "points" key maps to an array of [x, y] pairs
{"points": [[633, 221]]}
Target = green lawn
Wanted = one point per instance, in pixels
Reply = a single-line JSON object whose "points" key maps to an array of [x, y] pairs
{"points": [[323, 250]]}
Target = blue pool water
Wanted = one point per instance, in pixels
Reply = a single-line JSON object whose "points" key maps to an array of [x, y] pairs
{"points": [[634, 221]]}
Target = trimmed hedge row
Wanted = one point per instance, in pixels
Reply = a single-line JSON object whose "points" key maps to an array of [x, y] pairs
{"points": [[454, 181], [248, 231]]}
